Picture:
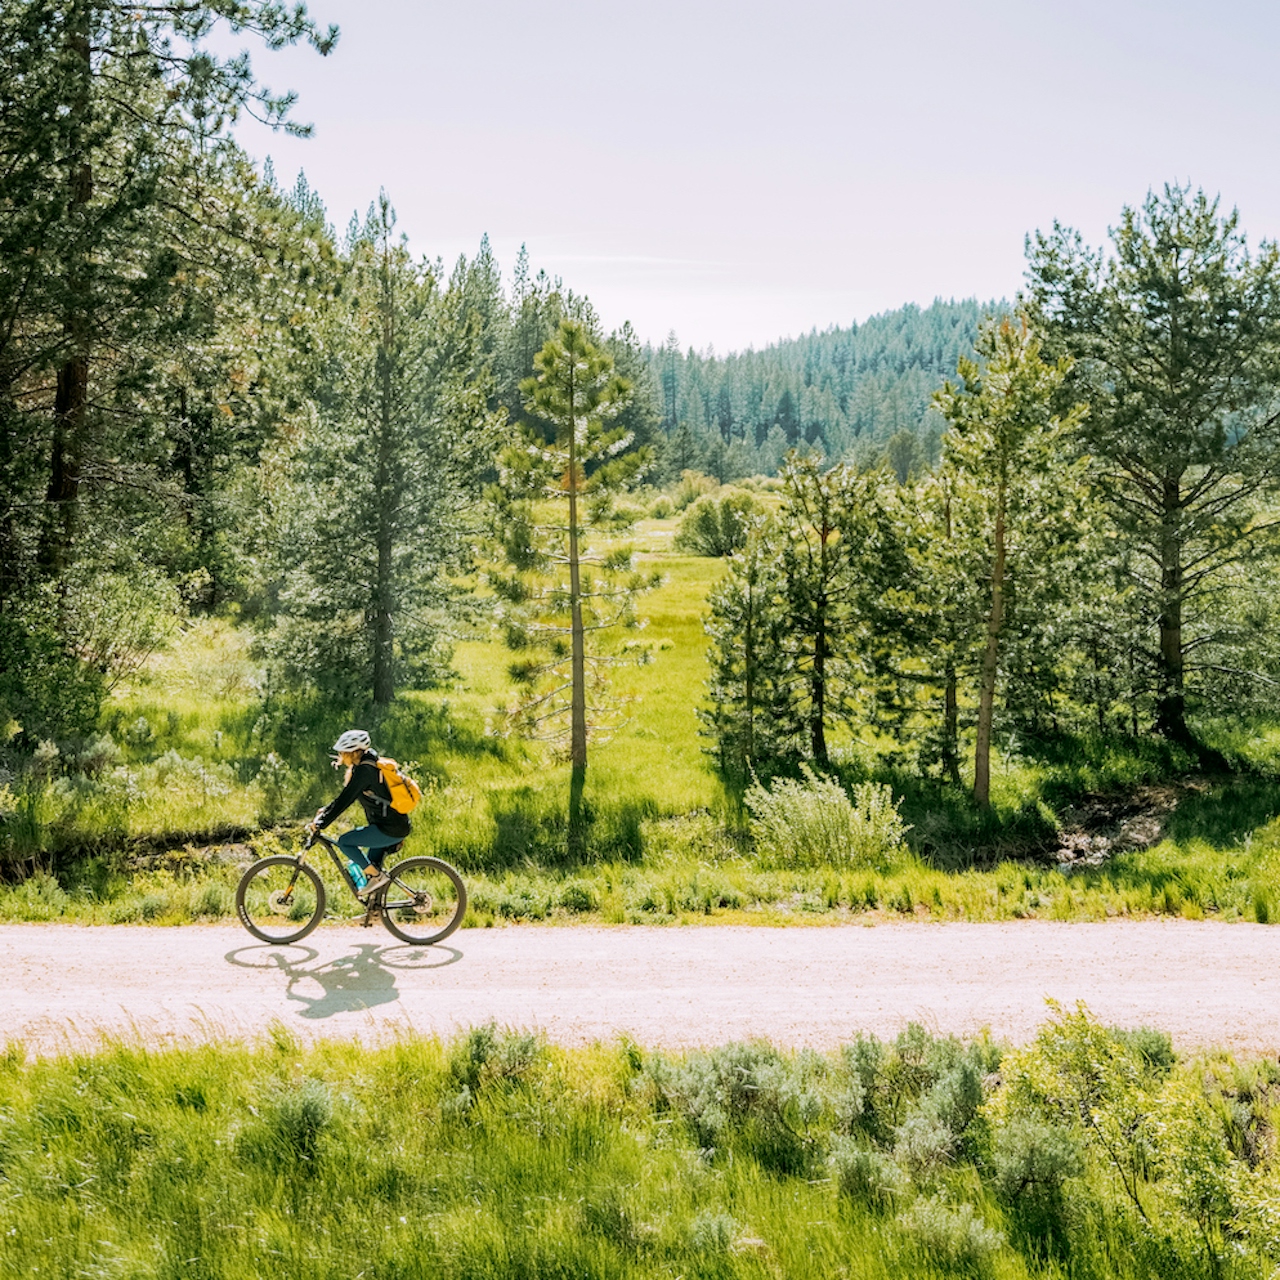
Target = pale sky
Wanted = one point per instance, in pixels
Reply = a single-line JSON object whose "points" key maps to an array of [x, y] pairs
{"points": [[741, 172]]}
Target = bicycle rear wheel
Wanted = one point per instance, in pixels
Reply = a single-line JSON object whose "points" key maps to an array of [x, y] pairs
{"points": [[280, 899], [424, 902]]}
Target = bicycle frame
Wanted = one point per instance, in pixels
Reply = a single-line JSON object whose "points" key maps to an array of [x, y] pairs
{"points": [[375, 903], [331, 847]]}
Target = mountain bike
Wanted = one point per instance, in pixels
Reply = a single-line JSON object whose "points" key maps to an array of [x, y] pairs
{"points": [[282, 898]]}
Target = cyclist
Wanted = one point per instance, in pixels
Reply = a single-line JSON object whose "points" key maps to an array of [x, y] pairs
{"points": [[365, 846]]}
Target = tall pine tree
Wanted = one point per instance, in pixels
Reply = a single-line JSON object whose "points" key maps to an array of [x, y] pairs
{"points": [[381, 468], [1176, 341], [558, 590]]}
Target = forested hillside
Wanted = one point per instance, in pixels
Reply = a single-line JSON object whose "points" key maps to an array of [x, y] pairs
{"points": [[847, 392]]}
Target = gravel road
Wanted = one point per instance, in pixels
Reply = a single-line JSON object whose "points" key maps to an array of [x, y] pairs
{"points": [[1207, 984]]}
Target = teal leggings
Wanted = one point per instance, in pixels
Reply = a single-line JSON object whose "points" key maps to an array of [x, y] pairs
{"points": [[354, 843]]}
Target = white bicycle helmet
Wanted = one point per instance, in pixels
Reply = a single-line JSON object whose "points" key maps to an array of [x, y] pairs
{"points": [[352, 740]]}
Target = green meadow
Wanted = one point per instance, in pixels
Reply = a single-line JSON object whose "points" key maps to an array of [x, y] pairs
{"points": [[199, 767]]}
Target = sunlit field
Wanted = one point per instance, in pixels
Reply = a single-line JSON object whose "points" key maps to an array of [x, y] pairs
{"points": [[499, 1155], [198, 770]]}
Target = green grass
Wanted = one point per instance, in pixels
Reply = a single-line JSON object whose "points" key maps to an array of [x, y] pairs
{"points": [[191, 751], [494, 802], [1221, 861], [199, 768], [497, 1155]]}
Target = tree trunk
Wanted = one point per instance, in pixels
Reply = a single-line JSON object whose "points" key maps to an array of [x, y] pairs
{"points": [[71, 400], [818, 684], [990, 661], [950, 700], [950, 724], [1133, 692], [1171, 709], [10, 563], [749, 678], [384, 686], [66, 457], [383, 619], [578, 662]]}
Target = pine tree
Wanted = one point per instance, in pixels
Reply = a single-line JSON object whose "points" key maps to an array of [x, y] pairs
{"points": [[1176, 339], [122, 198], [805, 626], [549, 617], [670, 382], [942, 602], [131, 82], [905, 455], [1012, 501], [825, 517], [381, 469], [750, 687]]}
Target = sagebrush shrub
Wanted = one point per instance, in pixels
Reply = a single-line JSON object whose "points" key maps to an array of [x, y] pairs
{"points": [[488, 1054], [1033, 1159], [955, 1235], [40, 897], [814, 823], [155, 905], [866, 1175], [95, 756], [938, 1074], [578, 896], [712, 1232], [522, 903], [923, 1144], [745, 1095], [211, 899], [956, 1097], [124, 911], [190, 777], [860, 1063]]}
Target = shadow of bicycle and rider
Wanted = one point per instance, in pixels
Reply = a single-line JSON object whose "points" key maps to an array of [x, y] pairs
{"points": [[363, 978]]}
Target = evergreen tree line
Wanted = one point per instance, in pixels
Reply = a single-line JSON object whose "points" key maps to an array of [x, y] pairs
{"points": [[210, 399], [862, 394], [1094, 551], [149, 281]]}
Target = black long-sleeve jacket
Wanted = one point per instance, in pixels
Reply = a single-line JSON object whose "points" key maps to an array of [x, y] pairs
{"points": [[367, 786]]}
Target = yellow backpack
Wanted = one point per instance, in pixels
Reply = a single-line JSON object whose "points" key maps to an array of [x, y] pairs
{"points": [[405, 793]]}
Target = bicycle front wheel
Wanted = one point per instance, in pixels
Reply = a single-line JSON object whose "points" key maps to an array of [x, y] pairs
{"points": [[280, 899], [424, 902]]}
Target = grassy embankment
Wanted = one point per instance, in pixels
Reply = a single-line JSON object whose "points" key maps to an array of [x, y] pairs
{"points": [[498, 1155], [197, 773]]}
